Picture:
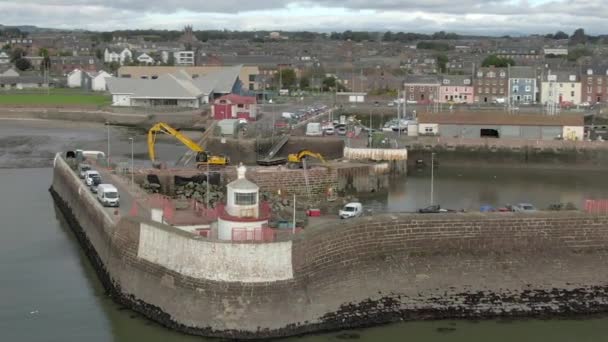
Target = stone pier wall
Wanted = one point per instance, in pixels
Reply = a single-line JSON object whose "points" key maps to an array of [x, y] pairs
{"points": [[354, 273]]}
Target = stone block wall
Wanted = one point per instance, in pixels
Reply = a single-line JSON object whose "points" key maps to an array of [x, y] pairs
{"points": [[361, 272]]}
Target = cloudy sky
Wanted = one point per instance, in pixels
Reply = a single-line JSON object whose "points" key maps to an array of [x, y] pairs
{"points": [[462, 16]]}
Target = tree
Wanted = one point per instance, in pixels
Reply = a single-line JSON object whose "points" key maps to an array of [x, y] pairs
{"points": [[99, 54], [329, 83], [171, 59], [304, 82], [442, 62], [578, 37], [560, 35], [46, 63], [287, 78], [43, 52], [499, 62], [575, 54], [23, 64], [114, 66], [16, 54]]}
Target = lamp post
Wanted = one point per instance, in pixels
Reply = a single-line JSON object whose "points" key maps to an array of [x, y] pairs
{"points": [[432, 176], [132, 164], [108, 129]]}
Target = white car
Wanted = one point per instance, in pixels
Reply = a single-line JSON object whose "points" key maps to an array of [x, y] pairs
{"points": [[350, 210], [524, 208], [585, 104], [82, 168], [329, 131], [391, 104], [89, 177]]}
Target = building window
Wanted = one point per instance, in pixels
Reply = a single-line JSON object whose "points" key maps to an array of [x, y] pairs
{"points": [[515, 89], [572, 93], [252, 78], [251, 86], [589, 89], [240, 105], [571, 85], [479, 74], [599, 81], [421, 88], [244, 198], [411, 96], [561, 85], [428, 130], [528, 88], [411, 88]]}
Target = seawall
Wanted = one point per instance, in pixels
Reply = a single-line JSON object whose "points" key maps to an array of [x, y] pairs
{"points": [[356, 273]]}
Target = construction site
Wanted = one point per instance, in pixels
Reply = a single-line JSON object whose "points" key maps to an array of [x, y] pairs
{"points": [[300, 180]]}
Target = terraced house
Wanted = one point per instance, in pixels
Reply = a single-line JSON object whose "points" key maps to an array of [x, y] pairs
{"points": [[594, 87], [522, 84], [491, 84], [422, 89], [456, 89]]}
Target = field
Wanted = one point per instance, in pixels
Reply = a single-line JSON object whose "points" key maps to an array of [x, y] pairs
{"points": [[55, 97]]}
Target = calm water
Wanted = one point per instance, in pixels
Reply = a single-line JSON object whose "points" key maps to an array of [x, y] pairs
{"points": [[49, 292]]}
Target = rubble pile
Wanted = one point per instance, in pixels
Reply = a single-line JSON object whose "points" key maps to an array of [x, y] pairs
{"points": [[198, 191], [151, 188]]}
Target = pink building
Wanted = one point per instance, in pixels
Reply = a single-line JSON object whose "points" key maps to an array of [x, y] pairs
{"points": [[456, 89]]}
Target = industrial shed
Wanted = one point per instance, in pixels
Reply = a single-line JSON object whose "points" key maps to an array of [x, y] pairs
{"points": [[501, 125]]}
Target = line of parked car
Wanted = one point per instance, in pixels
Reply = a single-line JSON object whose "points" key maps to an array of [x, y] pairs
{"points": [[107, 194]]}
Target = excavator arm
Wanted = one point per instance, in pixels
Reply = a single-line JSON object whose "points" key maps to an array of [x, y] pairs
{"points": [[297, 157], [166, 129]]}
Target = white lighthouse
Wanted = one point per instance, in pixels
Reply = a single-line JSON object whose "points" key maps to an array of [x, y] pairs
{"points": [[242, 218]]}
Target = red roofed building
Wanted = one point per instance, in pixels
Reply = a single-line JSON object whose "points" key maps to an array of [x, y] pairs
{"points": [[234, 106]]}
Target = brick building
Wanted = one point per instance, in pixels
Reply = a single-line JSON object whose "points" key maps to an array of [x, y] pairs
{"points": [[491, 83], [422, 89], [594, 88]]}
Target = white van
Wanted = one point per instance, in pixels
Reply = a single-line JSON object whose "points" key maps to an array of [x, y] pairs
{"points": [[107, 195], [350, 210], [313, 129], [90, 175]]}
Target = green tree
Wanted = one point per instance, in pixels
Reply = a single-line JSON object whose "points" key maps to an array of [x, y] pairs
{"points": [[43, 52], [499, 62], [329, 83], [16, 54], [560, 35], [442, 62], [171, 59], [287, 78], [304, 82], [575, 54], [113, 66], [578, 37], [99, 54], [23, 64]]}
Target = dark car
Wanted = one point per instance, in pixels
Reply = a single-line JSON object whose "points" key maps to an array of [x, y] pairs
{"points": [[96, 181], [435, 209]]}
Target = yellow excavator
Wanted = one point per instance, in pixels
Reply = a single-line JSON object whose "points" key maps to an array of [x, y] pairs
{"points": [[203, 157], [294, 160]]}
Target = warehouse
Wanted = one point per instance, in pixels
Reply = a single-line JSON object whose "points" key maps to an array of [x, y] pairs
{"points": [[501, 125]]}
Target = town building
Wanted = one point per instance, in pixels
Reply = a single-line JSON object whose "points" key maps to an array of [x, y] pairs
{"points": [[422, 89], [555, 51], [178, 89], [63, 65], [247, 75], [456, 89], [4, 58], [78, 78], [522, 84], [561, 87], [99, 80], [491, 83], [594, 87], [144, 58], [119, 56], [184, 58], [233, 106], [501, 125]]}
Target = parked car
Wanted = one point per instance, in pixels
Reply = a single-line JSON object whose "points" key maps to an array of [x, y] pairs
{"points": [[341, 130], [585, 104], [434, 209], [523, 208], [413, 102], [391, 104], [96, 182], [350, 210], [89, 175], [329, 131], [82, 169]]}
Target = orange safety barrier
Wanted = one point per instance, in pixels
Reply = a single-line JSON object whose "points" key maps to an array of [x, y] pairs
{"points": [[596, 206]]}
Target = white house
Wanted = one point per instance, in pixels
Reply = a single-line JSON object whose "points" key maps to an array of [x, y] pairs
{"points": [[10, 72], [144, 58], [4, 58], [98, 80], [184, 57], [79, 79], [561, 87], [115, 56]]}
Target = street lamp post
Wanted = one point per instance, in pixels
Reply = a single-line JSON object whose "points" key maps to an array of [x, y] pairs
{"points": [[432, 176], [132, 164], [108, 129]]}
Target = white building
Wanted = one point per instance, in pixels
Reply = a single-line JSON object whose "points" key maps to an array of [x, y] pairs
{"points": [[144, 58], [556, 51], [115, 56], [79, 79], [4, 58], [561, 88], [184, 57], [98, 81], [242, 218]]}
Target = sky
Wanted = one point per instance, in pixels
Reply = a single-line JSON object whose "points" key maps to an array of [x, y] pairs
{"points": [[483, 17]]}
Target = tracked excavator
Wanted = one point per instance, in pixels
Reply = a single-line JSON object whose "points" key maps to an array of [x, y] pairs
{"points": [[294, 160], [203, 158]]}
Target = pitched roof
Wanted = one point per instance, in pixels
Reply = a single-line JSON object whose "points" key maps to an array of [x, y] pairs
{"points": [[491, 118], [456, 80], [221, 81], [118, 85], [421, 79], [234, 98], [522, 72]]}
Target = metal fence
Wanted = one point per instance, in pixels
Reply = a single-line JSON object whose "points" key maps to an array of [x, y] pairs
{"points": [[597, 206]]}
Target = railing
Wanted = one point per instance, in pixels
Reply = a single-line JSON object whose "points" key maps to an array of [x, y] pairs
{"points": [[260, 235], [599, 206]]}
